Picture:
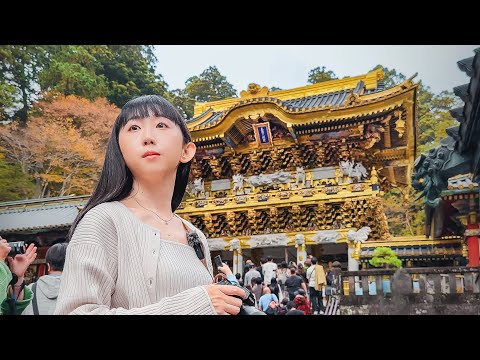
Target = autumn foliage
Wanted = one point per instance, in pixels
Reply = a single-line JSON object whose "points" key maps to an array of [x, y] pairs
{"points": [[63, 144]]}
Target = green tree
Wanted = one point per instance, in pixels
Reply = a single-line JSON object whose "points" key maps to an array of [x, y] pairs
{"points": [[73, 70], [210, 85], [274, 88], [7, 93], [15, 184], [434, 117], [119, 72], [385, 257], [130, 71], [19, 69], [182, 101], [403, 212], [320, 74]]}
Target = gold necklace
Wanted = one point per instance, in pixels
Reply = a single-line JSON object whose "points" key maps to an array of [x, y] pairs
{"points": [[154, 213]]}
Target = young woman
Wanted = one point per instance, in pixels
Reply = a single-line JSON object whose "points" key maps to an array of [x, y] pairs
{"points": [[129, 253]]}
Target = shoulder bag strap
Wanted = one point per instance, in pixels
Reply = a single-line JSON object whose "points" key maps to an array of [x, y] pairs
{"points": [[34, 301]]}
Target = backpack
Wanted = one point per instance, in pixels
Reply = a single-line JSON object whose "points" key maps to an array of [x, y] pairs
{"points": [[272, 308], [303, 305], [329, 278]]}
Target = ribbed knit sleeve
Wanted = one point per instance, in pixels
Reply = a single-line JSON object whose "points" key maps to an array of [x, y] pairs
{"points": [[90, 276]]}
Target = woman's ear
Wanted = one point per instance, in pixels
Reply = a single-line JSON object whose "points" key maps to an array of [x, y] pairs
{"points": [[188, 152]]}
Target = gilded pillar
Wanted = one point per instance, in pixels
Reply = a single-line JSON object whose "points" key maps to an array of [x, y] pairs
{"points": [[301, 248], [352, 257], [386, 135], [237, 256]]}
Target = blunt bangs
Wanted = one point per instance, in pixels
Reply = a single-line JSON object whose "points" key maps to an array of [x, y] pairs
{"points": [[151, 105]]}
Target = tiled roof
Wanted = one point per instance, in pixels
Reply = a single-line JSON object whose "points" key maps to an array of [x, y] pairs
{"points": [[38, 214], [211, 119], [199, 116], [336, 98]]}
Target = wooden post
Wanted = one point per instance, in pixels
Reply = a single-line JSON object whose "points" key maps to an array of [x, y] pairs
{"points": [[351, 285], [437, 283], [365, 285], [452, 281], [468, 277]]}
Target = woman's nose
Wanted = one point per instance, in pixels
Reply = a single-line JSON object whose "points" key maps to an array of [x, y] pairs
{"points": [[148, 137]]}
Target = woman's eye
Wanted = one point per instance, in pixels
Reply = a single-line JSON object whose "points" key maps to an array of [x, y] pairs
{"points": [[162, 125], [134, 127]]}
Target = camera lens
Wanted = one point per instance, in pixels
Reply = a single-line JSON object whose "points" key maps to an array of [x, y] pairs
{"points": [[17, 248]]}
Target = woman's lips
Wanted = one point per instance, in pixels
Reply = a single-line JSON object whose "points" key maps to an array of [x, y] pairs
{"points": [[150, 154]]}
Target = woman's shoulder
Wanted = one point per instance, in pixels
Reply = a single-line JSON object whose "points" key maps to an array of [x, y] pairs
{"points": [[105, 216], [98, 224], [102, 211]]}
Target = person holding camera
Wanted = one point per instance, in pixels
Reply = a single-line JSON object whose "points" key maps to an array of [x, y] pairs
{"points": [[127, 244], [14, 297]]}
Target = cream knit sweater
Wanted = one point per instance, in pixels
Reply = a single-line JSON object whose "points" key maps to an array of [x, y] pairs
{"points": [[116, 264]]}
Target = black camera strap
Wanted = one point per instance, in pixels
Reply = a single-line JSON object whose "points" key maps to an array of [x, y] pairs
{"points": [[34, 300], [12, 301]]}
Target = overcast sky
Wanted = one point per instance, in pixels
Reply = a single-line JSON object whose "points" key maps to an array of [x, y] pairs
{"points": [[287, 66]]}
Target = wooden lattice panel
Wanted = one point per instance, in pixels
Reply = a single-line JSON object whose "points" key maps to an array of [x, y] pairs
{"points": [[331, 154], [226, 171], [273, 218], [310, 221], [319, 149], [285, 220], [265, 161], [219, 225], [308, 157], [263, 222], [252, 220], [231, 221], [285, 158], [242, 225], [325, 216], [199, 223], [244, 163], [206, 169]]}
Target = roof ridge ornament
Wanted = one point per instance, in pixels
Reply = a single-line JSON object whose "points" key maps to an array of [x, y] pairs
{"points": [[254, 90]]}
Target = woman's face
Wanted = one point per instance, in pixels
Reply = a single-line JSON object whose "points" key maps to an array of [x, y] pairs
{"points": [[153, 146]]}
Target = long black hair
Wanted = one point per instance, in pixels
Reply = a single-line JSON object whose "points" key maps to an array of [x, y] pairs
{"points": [[116, 179]]}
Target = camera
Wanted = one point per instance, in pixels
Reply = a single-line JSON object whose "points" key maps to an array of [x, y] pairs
{"points": [[18, 247], [248, 306]]}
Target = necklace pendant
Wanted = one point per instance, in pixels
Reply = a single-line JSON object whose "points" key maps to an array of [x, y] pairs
{"points": [[166, 222]]}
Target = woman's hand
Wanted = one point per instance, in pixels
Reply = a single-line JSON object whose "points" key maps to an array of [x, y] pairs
{"points": [[225, 269], [21, 262], [4, 249], [223, 300]]}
